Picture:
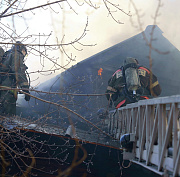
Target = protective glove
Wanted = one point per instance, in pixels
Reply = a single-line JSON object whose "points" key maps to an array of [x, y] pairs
{"points": [[27, 97]]}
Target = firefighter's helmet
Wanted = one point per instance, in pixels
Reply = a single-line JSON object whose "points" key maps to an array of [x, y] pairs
{"points": [[19, 46]]}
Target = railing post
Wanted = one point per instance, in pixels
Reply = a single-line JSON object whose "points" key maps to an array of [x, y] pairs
{"points": [[164, 121], [134, 115], [153, 135], [175, 130], [168, 134], [143, 132], [120, 121], [160, 139], [148, 117], [153, 122]]}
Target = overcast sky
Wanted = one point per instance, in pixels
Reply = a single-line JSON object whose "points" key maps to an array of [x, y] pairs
{"points": [[105, 32], [102, 29]]}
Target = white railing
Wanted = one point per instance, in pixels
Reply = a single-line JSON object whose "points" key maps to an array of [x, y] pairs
{"points": [[156, 125]]}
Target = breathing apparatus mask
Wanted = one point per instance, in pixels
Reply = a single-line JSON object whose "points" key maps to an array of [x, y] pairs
{"points": [[131, 75]]}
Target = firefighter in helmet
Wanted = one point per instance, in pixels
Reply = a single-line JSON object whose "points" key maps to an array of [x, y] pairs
{"points": [[13, 76], [1, 53], [131, 83]]}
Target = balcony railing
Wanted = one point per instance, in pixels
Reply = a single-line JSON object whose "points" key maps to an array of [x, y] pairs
{"points": [[156, 126]]}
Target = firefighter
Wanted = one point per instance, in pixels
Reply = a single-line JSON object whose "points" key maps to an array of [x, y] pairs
{"points": [[1, 53], [1, 56], [131, 83], [13, 76]]}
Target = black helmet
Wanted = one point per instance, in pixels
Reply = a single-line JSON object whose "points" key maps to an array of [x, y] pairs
{"points": [[19, 46], [130, 60]]}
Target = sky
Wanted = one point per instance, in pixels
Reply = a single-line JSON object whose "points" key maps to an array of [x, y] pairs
{"points": [[102, 31]]}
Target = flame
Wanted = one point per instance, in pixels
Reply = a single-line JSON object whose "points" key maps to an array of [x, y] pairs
{"points": [[100, 71]]}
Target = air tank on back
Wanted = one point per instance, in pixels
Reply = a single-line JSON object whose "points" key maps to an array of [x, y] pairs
{"points": [[131, 74]]}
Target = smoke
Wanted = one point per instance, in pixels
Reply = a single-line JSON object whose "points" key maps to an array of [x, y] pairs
{"points": [[106, 32], [169, 22], [102, 31]]}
